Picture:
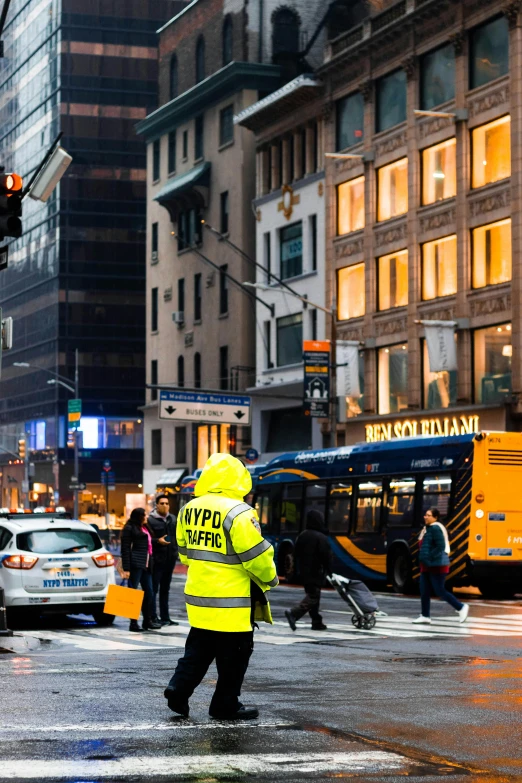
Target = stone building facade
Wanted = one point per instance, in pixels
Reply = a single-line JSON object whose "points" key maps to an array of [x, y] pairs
{"points": [[217, 57], [424, 224]]}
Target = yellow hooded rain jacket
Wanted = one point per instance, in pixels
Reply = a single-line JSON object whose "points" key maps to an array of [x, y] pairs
{"points": [[219, 541]]}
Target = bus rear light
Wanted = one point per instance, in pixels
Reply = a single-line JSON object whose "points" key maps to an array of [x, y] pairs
{"points": [[20, 561], [479, 497], [105, 560]]}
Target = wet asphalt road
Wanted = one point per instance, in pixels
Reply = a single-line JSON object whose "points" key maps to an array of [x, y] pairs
{"points": [[86, 704]]}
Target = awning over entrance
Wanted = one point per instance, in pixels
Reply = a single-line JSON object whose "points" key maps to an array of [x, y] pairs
{"points": [[198, 177], [170, 478]]}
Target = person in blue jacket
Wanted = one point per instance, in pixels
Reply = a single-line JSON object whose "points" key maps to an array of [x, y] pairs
{"points": [[434, 567]]}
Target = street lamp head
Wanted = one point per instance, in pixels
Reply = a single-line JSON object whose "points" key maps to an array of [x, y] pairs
{"points": [[21, 364], [51, 380]]}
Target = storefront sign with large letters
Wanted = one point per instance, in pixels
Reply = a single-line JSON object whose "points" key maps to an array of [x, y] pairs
{"points": [[404, 428]]}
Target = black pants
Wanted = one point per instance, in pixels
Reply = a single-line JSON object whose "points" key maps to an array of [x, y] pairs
{"points": [[161, 579], [142, 576], [310, 604], [231, 652]]}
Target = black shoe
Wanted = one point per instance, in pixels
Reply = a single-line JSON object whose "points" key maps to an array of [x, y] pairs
{"points": [[291, 620], [135, 627], [243, 713], [321, 627], [169, 622], [151, 626], [175, 704]]}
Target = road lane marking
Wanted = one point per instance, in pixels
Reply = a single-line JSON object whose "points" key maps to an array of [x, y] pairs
{"points": [[102, 729], [184, 766]]}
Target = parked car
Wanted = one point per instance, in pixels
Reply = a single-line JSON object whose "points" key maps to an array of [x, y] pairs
{"points": [[52, 564]]}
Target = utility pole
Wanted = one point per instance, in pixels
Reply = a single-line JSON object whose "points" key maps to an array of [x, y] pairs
{"points": [[76, 455]]}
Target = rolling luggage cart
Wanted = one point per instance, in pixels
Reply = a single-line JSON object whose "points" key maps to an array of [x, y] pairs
{"points": [[358, 597]]}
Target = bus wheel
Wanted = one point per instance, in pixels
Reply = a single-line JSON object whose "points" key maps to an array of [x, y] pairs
{"points": [[497, 592], [400, 571], [286, 565]]}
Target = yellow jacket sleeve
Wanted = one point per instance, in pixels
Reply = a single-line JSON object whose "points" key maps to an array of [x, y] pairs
{"points": [[180, 538], [255, 553]]}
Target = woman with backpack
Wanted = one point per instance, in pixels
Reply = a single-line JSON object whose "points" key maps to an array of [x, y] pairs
{"points": [[434, 567]]}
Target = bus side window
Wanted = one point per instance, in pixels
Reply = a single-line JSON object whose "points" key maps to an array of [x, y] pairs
{"points": [[436, 492], [291, 506], [262, 507], [339, 506], [401, 502], [369, 502], [315, 498]]}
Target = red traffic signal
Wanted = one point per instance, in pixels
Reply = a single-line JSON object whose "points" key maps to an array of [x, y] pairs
{"points": [[10, 205]]}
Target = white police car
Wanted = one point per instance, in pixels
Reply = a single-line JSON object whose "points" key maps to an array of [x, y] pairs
{"points": [[49, 563]]}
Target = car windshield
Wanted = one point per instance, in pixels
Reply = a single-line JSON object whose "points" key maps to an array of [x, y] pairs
{"points": [[60, 541]]}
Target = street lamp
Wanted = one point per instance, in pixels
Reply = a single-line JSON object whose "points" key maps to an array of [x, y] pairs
{"points": [[333, 345], [62, 381]]}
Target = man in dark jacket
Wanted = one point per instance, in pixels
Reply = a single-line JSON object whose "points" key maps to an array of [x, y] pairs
{"points": [[162, 525], [313, 559]]}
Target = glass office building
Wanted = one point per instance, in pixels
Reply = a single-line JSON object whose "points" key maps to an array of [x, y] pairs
{"points": [[76, 277]]}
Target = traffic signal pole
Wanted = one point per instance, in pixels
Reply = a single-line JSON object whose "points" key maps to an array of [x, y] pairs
{"points": [[76, 454]]}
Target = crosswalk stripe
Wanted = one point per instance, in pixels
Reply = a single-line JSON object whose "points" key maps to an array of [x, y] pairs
{"points": [[185, 766]]}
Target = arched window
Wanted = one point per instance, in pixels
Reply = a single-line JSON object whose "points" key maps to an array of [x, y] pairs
{"points": [[197, 370], [181, 371], [228, 54], [285, 32], [200, 59], [173, 76]]}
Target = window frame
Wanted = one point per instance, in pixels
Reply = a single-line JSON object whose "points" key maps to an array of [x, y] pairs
{"points": [[156, 160], [395, 254], [381, 80], [282, 269], [472, 31], [472, 133], [379, 188], [422, 60], [298, 315], [225, 113], [473, 231], [423, 172], [198, 297]]}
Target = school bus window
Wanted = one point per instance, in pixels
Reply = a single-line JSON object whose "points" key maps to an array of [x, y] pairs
{"points": [[401, 502], [291, 508], [436, 493], [369, 501], [339, 507], [315, 498]]}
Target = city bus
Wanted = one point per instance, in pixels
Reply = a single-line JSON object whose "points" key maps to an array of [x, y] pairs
{"points": [[373, 497]]}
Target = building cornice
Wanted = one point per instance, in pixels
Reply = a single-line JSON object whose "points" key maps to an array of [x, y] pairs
{"points": [[177, 16], [231, 79], [288, 98]]}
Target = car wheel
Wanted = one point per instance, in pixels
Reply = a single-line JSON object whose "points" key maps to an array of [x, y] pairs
{"points": [[103, 619], [497, 592], [400, 571]]}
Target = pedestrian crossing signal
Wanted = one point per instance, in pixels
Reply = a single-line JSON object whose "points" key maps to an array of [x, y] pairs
{"points": [[10, 205]]}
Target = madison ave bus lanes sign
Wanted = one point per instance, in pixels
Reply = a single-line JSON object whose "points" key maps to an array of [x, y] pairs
{"points": [[204, 408]]}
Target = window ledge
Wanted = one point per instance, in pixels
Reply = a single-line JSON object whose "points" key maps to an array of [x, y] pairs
{"points": [[425, 303], [496, 183], [339, 239], [386, 221], [296, 278], [197, 322], [222, 316], [172, 173], [226, 145], [391, 310], [485, 290], [284, 367], [432, 206], [156, 181], [154, 333], [199, 160]]}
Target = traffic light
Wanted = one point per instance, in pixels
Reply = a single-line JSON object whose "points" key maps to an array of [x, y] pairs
{"points": [[21, 448], [10, 205]]}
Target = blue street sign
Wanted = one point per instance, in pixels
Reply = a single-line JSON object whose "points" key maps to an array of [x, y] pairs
{"points": [[251, 455]]}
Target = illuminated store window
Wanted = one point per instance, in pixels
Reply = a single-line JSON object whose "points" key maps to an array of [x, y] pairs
{"points": [[350, 292], [392, 377], [489, 52], [350, 206], [492, 363], [355, 404], [439, 173], [393, 280], [392, 185], [440, 388], [491, 152], [439, 268], [492, 254]]}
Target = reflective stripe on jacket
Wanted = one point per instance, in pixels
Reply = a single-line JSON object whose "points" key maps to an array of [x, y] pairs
{"points": [[225, 552]]}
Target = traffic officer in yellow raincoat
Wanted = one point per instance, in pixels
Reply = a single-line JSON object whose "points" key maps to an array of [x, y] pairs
{"points": [[231, 567]]}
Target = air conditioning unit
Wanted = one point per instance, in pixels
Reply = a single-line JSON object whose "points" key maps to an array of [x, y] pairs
{"points": [[178, 317], [154, 255]]}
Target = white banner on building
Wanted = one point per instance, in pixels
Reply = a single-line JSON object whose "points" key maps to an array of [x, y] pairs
{"points": [[442, 350], [348, 368]]}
